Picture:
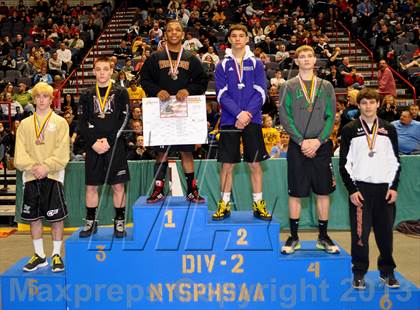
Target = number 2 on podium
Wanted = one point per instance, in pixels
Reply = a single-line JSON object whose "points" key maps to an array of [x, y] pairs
{"points": [[169, 216], [242, 233], [314, 267]]}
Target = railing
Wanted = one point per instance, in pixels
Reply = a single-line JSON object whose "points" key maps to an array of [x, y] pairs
{"points": [[406, 82], [74, 73], [392, 69], [106, 35], [369, 51], [9, 117], [349, 41]]}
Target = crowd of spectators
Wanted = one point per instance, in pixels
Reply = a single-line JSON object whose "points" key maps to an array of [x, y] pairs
{"points": [[276, 29], [44, 43]]}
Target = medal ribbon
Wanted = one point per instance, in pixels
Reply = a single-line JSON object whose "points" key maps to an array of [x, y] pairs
{"points": [[239, 68], [311, 96], [174, 69], [40, 126], [102, 103], [370, 140]]}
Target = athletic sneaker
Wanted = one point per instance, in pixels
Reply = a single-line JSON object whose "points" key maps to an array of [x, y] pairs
{"points": [[157, 194], [292, 244], [57, 263], [193, 195], [91, 227], [35, 262], [260, 210], [119, 228], [359, 282], [390, 280], [325, 243], [222, 212]]}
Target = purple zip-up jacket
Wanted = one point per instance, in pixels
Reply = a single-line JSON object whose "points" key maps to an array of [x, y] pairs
{"points": [[234, 100]]}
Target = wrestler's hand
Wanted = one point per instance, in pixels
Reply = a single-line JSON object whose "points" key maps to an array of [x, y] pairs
{"points": [[163, 95], [244, 117], [99, 147], [182, 94], [309, 147], [391, 196], [239, 124], [357, 199], [105, 143], [39, 171]]}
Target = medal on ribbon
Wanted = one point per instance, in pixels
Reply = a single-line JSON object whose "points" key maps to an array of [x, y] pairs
{"points": [[102, 103], [239, 68], [40, 127], [310, 97], [370, 139], [173, 70]]}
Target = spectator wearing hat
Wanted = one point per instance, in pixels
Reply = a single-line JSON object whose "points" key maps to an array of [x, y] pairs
{"points": [[24, 98]]}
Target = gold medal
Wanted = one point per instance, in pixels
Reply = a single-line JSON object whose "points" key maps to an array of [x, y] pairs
{"points": [[102, 103], [40, 127], [310, 97]]}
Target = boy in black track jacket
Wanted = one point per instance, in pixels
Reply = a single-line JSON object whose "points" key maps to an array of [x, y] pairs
{"points": [[369, 167], [105, 113]]}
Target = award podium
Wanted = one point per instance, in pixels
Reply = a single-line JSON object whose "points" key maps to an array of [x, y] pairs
{"points": [[176, 257]]}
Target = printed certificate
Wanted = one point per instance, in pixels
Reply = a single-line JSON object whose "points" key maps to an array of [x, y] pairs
{"points": [[174, 122]]}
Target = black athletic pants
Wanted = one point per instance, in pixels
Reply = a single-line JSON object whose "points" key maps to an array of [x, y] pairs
{"points": [[375, 213]]}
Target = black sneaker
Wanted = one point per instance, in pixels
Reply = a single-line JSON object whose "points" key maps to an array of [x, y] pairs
{"points": [[193, 195], [91, 227], [119, 228], [359, 282], [157, 194], [390, 280], [57, 263], [35, 262], [292, 244], [325, 243]]}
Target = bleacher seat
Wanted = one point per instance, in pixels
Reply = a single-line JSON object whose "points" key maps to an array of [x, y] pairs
{"points": [[211, 86], [272, 65], [271, 73]]}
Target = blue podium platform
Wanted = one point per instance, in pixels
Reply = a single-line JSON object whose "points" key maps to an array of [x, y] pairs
{"points": [[176, 257], [41, 289]]}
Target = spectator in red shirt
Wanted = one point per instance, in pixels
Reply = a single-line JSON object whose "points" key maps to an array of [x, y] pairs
{"points": [[386, 82]]}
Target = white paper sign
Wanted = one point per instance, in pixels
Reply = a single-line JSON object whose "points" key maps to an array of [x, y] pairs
{"points": [[174, 122]]}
